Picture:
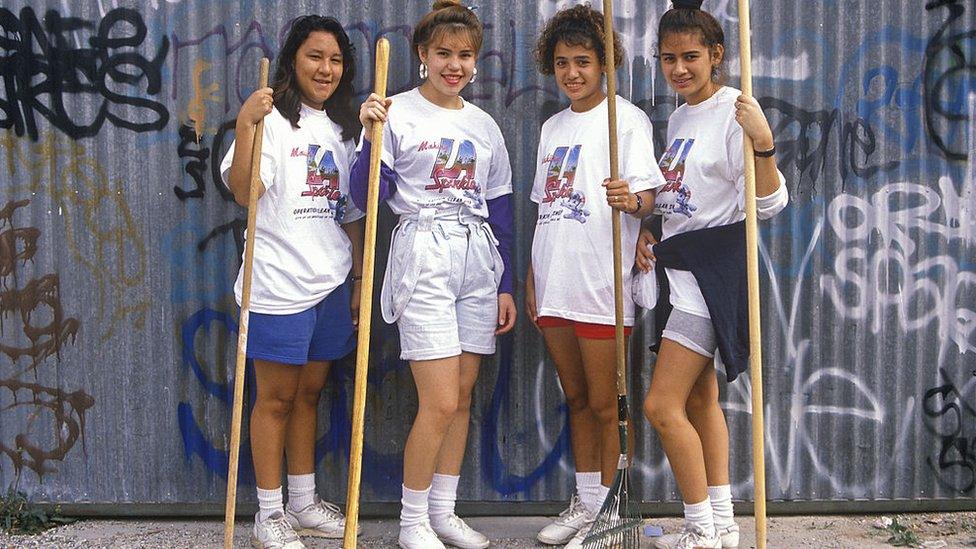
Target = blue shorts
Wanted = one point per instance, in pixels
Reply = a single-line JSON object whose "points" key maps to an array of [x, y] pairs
{"points": [[323, 332]]}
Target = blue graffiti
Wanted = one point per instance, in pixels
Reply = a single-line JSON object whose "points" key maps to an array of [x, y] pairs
{"points": [[382, 472], [492, 464]]}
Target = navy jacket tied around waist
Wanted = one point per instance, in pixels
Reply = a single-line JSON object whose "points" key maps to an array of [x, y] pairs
{"points": [[716, 256]]}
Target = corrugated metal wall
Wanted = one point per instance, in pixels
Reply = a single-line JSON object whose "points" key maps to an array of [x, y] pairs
{"points": [[119, 249]]}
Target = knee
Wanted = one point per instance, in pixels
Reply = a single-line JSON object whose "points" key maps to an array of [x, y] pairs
{"points": [[605, 412], [276, 405], [440, 412], [309, 396], [661, 415], [577, 402], [463, 405], [700, 400]]}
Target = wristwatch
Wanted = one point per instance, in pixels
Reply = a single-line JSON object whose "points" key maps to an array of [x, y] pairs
{"points": [[640, 204]]}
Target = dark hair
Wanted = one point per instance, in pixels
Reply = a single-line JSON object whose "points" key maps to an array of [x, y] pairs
{"points": [[447, 16], [287, 95], [579, 25], [688, 17]]}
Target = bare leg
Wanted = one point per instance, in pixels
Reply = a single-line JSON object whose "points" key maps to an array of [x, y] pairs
{"points": [[675, 374], [599, 363], [277, 385], [707, 418], [584, 430], [438, 387], [451, 455], [303, 423]]}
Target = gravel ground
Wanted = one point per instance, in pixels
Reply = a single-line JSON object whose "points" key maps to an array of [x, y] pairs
{"points": [[950, 530]]}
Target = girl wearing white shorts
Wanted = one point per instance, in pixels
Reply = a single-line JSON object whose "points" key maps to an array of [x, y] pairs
{"points": [[448, 284]]}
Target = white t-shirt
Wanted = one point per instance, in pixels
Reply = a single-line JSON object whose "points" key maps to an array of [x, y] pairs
{"points": [[301, 252], [572, 251], [703, 166], [444, 158]]}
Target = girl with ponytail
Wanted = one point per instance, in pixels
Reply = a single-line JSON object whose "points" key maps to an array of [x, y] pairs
{"points": [[703, 213]]}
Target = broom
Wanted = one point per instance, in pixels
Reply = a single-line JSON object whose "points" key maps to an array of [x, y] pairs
{"points": [[618, 522]]}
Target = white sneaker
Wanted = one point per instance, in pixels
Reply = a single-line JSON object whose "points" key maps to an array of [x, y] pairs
{"points": [[454, 531], [419, 536], [566, 524], [691, 537], [729, 536], [275, 533], [320, 519], [577, 541]]}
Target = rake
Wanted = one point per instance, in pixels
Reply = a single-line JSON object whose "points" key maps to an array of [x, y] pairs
{"points": [[618, 523]]}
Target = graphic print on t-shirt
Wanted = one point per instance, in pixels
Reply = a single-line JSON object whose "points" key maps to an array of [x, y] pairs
{"points": [[323, 182], [674, 173], [560, 176], [454, 168]]}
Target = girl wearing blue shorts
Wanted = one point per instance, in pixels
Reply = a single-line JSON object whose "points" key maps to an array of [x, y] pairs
{"points": [[307, 262]]}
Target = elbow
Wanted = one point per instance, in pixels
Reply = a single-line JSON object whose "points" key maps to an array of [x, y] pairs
{"points": [[772, 204]]}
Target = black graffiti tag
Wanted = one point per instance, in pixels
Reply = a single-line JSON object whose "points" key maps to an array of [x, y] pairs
{"points": [[46, 72], [945, 66], [948, 415]]}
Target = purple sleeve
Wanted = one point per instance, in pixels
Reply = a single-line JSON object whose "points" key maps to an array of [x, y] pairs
{"points": [[501, 218], [359, 178]]}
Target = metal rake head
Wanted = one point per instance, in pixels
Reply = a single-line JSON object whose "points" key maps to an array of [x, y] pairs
{"points": [[618, 525]]}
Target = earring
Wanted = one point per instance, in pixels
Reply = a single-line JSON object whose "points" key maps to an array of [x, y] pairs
{"points": [[474, 73], [423, 71]]}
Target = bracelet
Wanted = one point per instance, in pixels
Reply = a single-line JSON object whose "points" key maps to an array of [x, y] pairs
{"points": [[640, 204], [765, 154]]}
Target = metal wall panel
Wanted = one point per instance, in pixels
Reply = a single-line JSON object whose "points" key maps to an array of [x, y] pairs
{"points": [[119, 250]]}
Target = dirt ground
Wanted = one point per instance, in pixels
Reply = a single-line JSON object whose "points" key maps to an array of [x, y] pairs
{"points": [[950, 530]]}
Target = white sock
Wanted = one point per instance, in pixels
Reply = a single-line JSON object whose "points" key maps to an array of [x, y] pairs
{"points": [[269, 501], [586, 483], [443, 494], [721, 498], [414, 510], [700, 514], [301, 491], [597, 498]]}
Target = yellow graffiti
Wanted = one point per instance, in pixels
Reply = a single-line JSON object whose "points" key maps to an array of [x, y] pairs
{"points": [[101, 233], [197, 108]]}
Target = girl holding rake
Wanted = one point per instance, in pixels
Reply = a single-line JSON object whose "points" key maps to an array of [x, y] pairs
{"points": [[703, 198], [448, 282], [569, 287], [304, 304]]}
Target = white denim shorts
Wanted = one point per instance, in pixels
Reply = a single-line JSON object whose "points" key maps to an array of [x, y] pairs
{"points": [[441, 284], [691, 331]]}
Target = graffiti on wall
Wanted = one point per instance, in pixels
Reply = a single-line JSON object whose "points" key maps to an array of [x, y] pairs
{"points": [[35, 328], [879, 236]]}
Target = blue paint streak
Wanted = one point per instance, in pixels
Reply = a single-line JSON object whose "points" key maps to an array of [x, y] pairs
{"points": [[217, 461], [493, 467], [202, 319]]}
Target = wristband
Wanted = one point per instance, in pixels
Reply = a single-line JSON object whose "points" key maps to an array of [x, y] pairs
{"points": [[765, 154]]}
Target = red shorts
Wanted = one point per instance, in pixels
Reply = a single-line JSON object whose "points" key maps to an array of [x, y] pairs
{"points": [[583, 330]]}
